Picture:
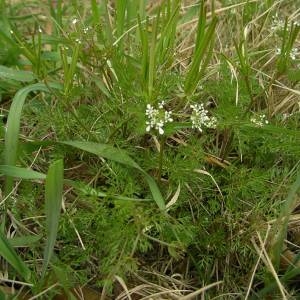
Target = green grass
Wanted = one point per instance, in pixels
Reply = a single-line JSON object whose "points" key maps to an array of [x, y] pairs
{"points": [[149, 149]]}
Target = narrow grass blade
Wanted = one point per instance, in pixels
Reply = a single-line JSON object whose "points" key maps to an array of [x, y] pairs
{"points": [[281, 225], [22, 173], [152, 57], [96, 19], [88, 191], [13, 125], [53, 198], [120, 16], [165, 45], [24, 241], [9, 254], [120, 156], [145, 52], [105, 151], [18, 75], [70, 69], [203, 51], [107, 26]]}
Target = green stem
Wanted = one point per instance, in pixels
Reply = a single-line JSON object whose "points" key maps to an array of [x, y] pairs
{"points": [[161, 155], [248, 87]]}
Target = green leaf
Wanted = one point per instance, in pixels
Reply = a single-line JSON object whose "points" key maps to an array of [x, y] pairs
{"points": [[20, 172], [9, 254], [294, 75], [53, 197], [13, 125], [122, 157], [24, 241], [22, 76], [203, 50], [106, 151], [281, 225]]}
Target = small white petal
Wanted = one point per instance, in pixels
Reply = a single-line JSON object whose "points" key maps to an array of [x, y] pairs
{"points": [[161, 104], [160, 130]]}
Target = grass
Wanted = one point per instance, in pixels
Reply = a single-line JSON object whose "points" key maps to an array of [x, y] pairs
{"points": [[150, 149]]}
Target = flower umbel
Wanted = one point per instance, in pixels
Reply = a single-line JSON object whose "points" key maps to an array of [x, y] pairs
{"points": [[157, 117], [75, 21], [200, 118], [293, 53], [277, 24], [259, 120]]}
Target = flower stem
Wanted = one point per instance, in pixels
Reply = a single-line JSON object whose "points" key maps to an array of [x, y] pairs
{"points": [[161, 154]]}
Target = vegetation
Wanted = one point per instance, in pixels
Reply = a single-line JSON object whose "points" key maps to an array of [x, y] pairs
{"points": [[150, 149]]}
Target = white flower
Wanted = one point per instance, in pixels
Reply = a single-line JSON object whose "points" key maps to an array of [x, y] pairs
{"points": [[75, 21], [149, 126], [200, 118], [285, 116], [161, 104], [212, 123], [293, 54], [278, 51], [86, 29], [159, 126], [277, 24], [157, 118], [168, 116], [259, 120], [78, 41]]}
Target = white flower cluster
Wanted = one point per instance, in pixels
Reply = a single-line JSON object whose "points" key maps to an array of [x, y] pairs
{"points": [[200, 118], [286, 116], [86, 29], [278, 24], [293, 53], [260, 120], [157, 118]]}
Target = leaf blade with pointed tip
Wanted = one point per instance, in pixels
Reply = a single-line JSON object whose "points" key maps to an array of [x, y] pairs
{"points": [[120, 156], [10, 255], [13, 125], [53, 200], [24, 241], [22, 173], [17, 75]]}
